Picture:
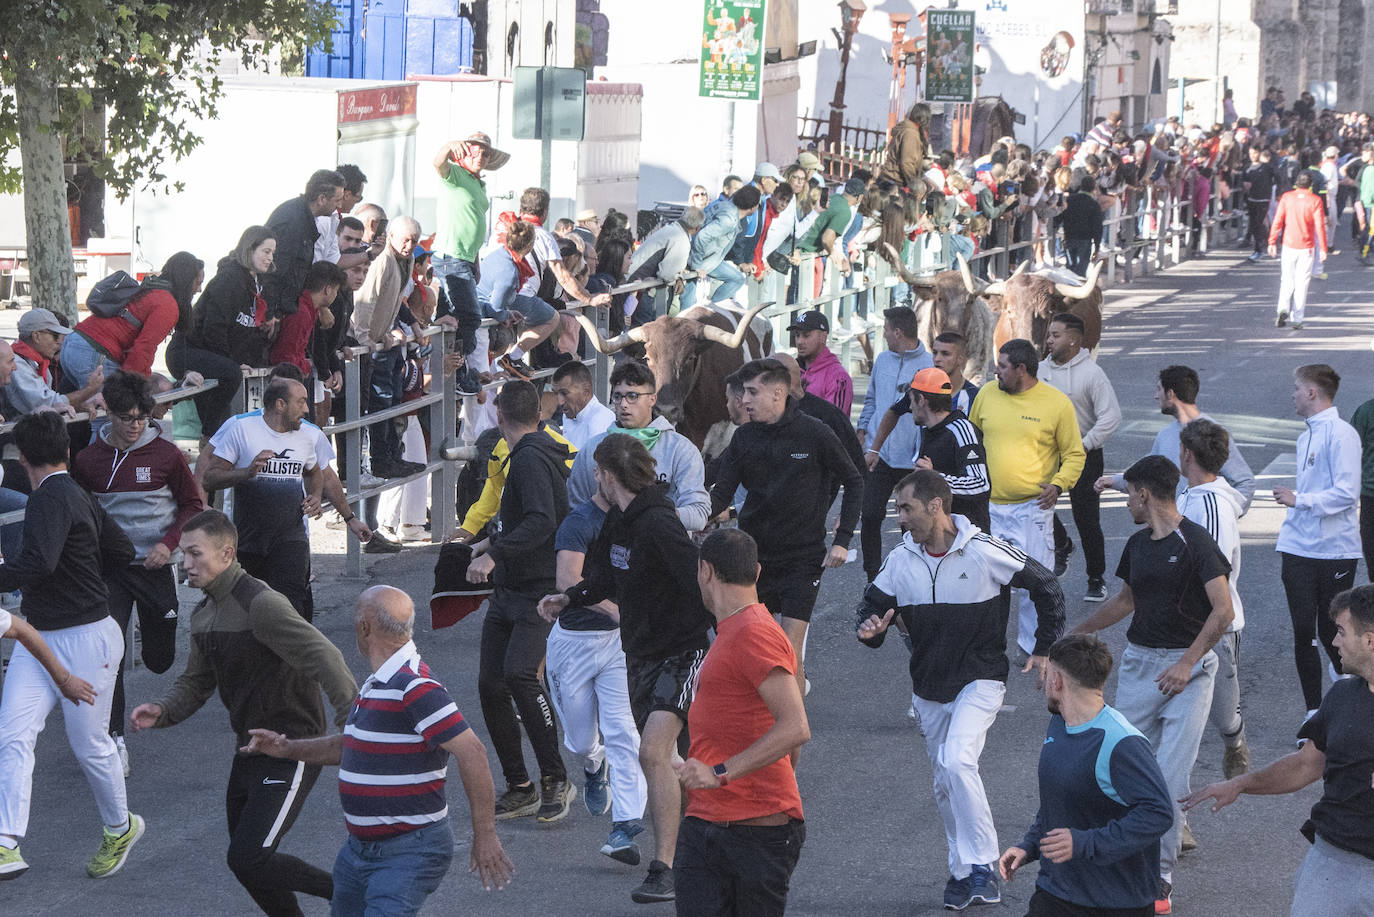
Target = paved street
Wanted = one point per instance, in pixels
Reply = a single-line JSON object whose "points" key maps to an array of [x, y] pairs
{"points": [[874, 845]]}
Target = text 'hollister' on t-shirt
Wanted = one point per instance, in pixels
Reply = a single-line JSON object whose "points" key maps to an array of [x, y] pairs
{"points": [[267, 507]]}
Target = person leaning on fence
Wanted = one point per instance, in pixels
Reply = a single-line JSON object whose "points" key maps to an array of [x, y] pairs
{"points": [[293, 226], [129, 339], [665, 251], [30, 387], [229, 328], [711, 247], [144, 484]]}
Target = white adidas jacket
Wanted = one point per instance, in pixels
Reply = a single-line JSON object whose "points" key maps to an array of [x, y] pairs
{"points": [[1325, 524], [1217, 507]]}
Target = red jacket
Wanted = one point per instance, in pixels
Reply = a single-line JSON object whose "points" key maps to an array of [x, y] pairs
{"points": [[293, 338], [1300, 220], [134, 348]]}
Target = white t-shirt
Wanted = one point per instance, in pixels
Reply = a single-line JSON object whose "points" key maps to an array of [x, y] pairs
{"points": [[590, 422], [6, 622], [546, 248], [267, 507], [327, 245]]}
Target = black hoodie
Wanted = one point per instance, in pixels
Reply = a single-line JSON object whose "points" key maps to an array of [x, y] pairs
{"points": [[788, 468], [646, 561], [225, 321], [533, 503]]}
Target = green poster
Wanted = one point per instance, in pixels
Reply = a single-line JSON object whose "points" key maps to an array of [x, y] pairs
{"points": [[732, 50], [949, 56]]}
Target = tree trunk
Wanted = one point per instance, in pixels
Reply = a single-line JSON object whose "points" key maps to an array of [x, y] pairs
{"points": [[51, 274]]}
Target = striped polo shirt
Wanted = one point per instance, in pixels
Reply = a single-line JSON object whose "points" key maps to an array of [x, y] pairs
{"points": [[391, 775]]}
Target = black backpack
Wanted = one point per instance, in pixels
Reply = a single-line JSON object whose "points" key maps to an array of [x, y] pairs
{"points": [[112, 295]]}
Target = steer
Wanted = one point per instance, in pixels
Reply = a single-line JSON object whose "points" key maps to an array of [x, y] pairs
{"points": [[690, 355], [955, 304], [1027, 302]]}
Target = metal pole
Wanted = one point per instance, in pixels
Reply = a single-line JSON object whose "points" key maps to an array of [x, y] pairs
{"points": [[353, 473], [728, 148]]}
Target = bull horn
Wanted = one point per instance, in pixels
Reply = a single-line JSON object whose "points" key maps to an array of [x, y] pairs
{"points": [[996, 288], [969, 283], [615, 344], [1084, 289], [733, 341]]}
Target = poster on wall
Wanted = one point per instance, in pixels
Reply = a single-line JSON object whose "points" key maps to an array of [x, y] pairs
{"points": [[949, 56], [732, 50]]}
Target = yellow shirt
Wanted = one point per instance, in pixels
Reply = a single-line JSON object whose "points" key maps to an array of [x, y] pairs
{"points": [[1031, 439], [485, 508]]}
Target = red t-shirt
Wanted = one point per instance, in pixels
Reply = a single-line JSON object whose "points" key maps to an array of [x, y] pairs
{"points": [[728, 715]]}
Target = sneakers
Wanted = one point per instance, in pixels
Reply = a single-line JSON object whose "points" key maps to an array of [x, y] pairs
{"points": [[123, 755], [555, 798], [657, 885], [396, 469], [517, 802], [1255, 256], [1061, 559], [114, 849], [1097, 590], [595, 791], [1164, 904], [984, 886], [380, 544], [957, 893], [1282, 318], [518, 369], [1297, 326], [1186, 841], [1237, 761], [412, 533], [621, 846], [12, 864]]}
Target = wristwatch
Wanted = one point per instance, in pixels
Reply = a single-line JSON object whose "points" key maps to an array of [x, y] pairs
{"points": [[722, 773]]}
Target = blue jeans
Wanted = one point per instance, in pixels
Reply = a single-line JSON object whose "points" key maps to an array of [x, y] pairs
{"points": [[80, 358], [458, 297], [392, 877], [12, 535], [385, 391], [730, 277]]}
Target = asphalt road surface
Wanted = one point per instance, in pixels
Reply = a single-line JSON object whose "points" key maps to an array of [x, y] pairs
{"points": [[874, 841]]}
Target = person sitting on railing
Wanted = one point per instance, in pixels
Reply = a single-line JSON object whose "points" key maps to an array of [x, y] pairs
{"points": [[376, 307], [904, 159], [711, 246], [30, 387], [130, 339], [664, 253], [229, 328], [144, 484]]}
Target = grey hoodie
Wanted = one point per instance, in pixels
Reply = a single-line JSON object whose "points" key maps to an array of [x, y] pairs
{"points": [[679, 466]]}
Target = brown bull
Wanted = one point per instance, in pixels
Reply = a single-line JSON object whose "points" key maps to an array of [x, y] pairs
{"points": [[953, 303], [1028, 301], [690, 355]]}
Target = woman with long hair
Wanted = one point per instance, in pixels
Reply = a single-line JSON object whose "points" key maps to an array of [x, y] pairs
{"points": [[228, 330], [129, 340]]}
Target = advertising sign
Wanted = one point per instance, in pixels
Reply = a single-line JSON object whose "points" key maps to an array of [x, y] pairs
{"points": [[949, 56], [375, 104], [732, 50]]}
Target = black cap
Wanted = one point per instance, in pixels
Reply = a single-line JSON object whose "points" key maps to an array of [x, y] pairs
{"points": [[855, 187], [814, 320]]}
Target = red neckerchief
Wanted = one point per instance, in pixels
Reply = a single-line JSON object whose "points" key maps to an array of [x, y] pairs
{"points": [[522, 267], [530, 218], [259, 308], [28, 353]]}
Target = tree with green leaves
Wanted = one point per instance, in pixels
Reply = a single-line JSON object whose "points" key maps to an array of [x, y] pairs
{"points": [[145, 69]]}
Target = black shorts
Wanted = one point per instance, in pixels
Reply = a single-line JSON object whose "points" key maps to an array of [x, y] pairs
{"points": [[662, 684], [1043, 904], [789, 587]]}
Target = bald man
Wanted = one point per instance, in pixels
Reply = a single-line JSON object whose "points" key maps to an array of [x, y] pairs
{"points": [[400, 842]]}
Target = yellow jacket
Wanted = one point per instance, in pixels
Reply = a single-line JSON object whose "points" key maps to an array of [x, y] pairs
{"points": [[487, 505]]}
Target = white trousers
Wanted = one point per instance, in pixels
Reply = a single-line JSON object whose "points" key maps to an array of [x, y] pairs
{"points": [[1296, 277], [955, 733], [586, 673], [1031, 529], [92, 652], [407, 504]]}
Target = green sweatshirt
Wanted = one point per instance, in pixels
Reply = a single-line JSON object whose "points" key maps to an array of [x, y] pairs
{"points": [[1363, 422], [268, 663]]}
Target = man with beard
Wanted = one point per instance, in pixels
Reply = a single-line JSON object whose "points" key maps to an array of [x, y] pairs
{"points": [[1103, 801]]}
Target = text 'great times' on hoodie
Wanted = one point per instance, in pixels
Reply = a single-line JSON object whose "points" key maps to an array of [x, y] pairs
{"points": [[533, 503]]}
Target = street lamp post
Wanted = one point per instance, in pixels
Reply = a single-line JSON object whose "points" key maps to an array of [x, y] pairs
{"points": [[851, 11]]}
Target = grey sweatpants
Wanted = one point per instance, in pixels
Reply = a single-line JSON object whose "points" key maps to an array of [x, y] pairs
{"points": [[1226, 715], [1173, 725], [1333, 883]]}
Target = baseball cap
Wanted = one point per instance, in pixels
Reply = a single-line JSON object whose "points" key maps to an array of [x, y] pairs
{"points": [[932, 381], [40, 320], [855, 187], [495, 158], [809, 161], [814, 320], [767, 170], [453, 597]]}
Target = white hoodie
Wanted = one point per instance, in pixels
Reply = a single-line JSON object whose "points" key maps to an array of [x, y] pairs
{"points": [[1094, 400], [1217, 507], [1324, 524]]}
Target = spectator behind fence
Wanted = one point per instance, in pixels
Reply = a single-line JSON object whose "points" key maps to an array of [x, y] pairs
{"points": [[229, 329], [328, 362], [31, 385], [293, 226], [296, 340], [375, 308], [329, 247], [712, 244], [14, 495], [665, 251], [130, 339], [143, 482], [904, 160]]}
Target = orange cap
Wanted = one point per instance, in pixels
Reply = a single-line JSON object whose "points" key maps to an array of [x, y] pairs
{"points": [[932, 381]]}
